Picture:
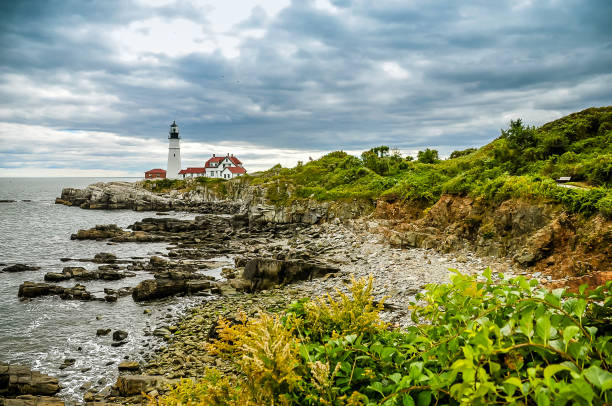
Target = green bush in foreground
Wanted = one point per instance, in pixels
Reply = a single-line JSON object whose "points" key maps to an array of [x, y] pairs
{"points": [[474, 342]]}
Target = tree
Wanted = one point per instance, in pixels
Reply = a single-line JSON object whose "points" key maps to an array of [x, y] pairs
{"points": [[429, 156], [457, 154], [519, 136]]}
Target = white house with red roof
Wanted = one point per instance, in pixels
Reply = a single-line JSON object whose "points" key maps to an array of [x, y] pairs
{"points": [[224, 167]]}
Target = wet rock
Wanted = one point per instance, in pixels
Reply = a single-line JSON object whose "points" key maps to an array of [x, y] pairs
{"points": [[99, 232], [158, 261], [119, 335], [56, 277], [110, 298], [118, 343], [31, 400], [20, 268], [28, 290], [169, 284], [103, 331], [68, 362], [161, 332], [129, 366], [128, 385], [104, 258], [18, 380], [229, 273], [152, 289]]}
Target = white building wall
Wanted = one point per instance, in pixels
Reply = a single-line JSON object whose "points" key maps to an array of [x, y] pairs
{"points": [[174, 158]]}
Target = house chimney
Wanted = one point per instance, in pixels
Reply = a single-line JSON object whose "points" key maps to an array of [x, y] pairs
{"points": [[228, 154]]}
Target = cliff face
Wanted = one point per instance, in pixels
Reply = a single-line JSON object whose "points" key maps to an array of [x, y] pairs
{"points": [[541, 236]]}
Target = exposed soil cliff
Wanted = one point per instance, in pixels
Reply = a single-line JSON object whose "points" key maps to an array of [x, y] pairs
{"points": [[540, 236]]}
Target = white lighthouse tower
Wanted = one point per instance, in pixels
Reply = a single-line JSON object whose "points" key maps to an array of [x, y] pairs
{"points": [[174, 152]]}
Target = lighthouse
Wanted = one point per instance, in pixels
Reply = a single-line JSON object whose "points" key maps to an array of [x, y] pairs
{"points": [[174, 152]]}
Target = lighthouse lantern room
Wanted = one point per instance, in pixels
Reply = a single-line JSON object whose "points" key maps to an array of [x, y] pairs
{"points": [[174, 152]]}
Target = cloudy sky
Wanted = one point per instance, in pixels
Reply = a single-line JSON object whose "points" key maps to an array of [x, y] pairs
{"points": [[90, 87]]}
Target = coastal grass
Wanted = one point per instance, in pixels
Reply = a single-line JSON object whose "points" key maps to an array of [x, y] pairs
{"points": [[478, 340], [523, 162]]}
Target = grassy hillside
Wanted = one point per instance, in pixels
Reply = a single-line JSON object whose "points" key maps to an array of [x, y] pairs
{"points": [[521, 163]]}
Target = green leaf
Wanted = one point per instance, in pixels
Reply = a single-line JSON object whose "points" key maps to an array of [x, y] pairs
{"points": [[351, 338], [515, 382], [544, 328], [424, 398], [598, 376], [526, 325], [569, 333], [407, 400], [377, 387], [554, 297], [395, 377], [543, 397], [387, 353], [487, 274], [553, 369], [583, 389]]}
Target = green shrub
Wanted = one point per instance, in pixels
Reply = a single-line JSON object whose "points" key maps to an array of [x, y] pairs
{"points": [[475, 341]]}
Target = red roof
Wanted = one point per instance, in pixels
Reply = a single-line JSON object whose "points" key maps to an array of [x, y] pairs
{"points": [[235, 160], [215, 159], [192, 170], [236, 169], [156, 170], [219, 159]]}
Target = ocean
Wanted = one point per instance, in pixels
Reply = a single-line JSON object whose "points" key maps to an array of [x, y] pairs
{"points": [[43, 332]]}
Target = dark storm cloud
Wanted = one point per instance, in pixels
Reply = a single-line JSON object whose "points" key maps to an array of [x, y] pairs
{"points": [[350, 75]]}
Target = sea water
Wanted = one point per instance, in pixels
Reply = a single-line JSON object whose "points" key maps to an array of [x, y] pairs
{"points": [[45, 331]]}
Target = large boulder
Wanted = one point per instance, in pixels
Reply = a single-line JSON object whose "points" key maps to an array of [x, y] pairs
{"points": [[99, 232], [18, 380], [172, 283], [129, 385], [28, 290], [152, 289], [266, 273], [56, 277], [104, 258]]}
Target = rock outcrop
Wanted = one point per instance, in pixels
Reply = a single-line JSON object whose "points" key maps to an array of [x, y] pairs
{"points": [[20, 268], [114, 233], [117, 195], [260, 274], [170, 284], [19, 380], [81, 273], [29, 290], [239, 198]]}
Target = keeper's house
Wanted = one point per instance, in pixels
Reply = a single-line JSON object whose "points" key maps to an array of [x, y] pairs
{"points": [[224, 167]]}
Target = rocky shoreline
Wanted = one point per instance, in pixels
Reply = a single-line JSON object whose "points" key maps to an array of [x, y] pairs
{"points": [[275, 256]]}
